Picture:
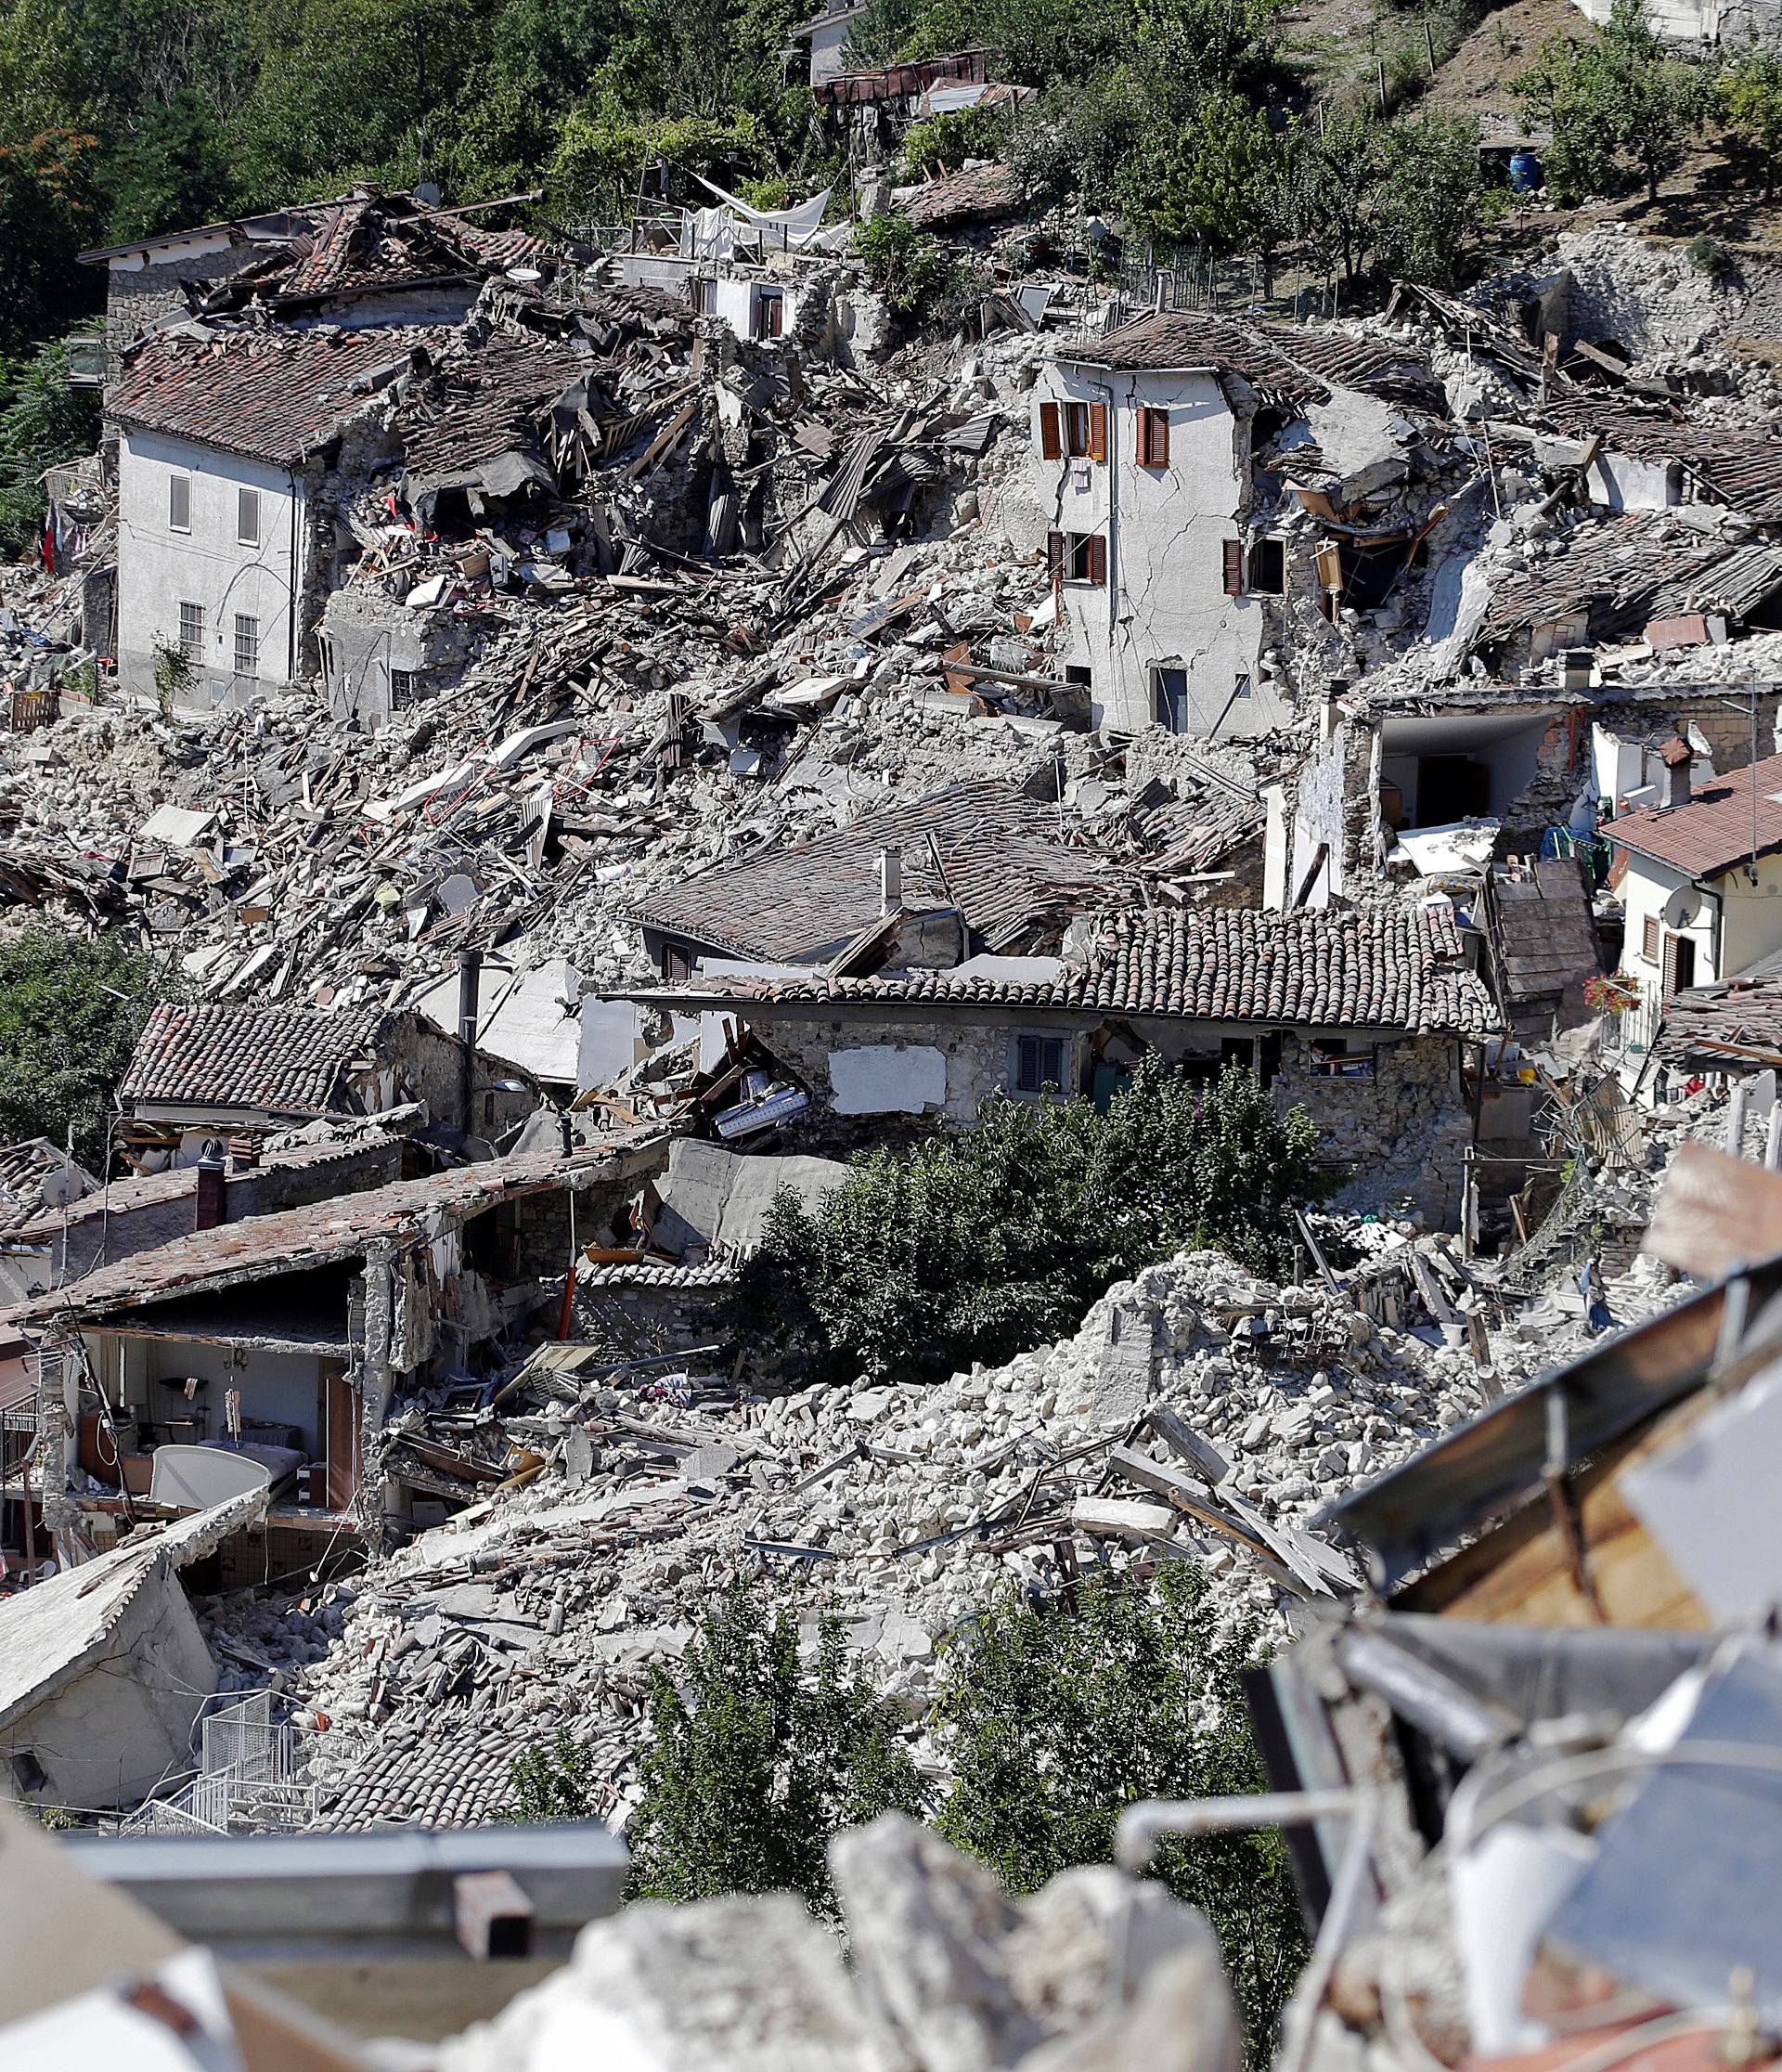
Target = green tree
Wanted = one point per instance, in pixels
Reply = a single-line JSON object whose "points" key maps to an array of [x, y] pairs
{"points": [[912, 270], [1218, 180], [553, 1781], [42, 421], [1750, 97], [70, 1010], [761, 1759], [947, 141], [1366, 194], [1623, 110], [1056, 1717], [979, 1245]]}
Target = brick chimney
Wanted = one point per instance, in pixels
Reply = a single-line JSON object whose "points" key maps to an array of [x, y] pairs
{"points": [[210, 1205], [244, 1152], [1673, 783]]}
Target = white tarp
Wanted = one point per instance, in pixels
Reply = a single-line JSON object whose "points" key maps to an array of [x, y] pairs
{"points": [[711, 233]]}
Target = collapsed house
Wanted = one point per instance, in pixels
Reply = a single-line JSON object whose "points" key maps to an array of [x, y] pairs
{"points": [[286, 1340], [1369, 1019], [207, 1073], [103, 1670], [1170, 454]]}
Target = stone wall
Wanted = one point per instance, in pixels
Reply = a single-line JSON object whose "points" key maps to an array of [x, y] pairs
{"points": [[1399, 1132]]}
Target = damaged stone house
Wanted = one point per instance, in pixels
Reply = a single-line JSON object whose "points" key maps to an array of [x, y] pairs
{"points": [[1178, 459], [207, 1073], [295, 1343], [1369, 1018]]}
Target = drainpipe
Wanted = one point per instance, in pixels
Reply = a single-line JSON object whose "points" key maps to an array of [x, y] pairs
{"points": [[293, 606]]}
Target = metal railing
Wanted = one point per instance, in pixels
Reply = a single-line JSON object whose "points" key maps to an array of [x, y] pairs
{"points": [[249, 1780]]}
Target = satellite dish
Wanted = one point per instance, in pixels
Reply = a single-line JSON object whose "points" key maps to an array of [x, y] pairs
{"points": [[1680, 908], [61, 1187], [525, 273]]}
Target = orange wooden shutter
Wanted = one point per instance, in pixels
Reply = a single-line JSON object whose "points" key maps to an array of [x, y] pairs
{"points": [[1098, 430], [1234, 568], [1051, 444], [1097, 556], [1056, 556], [1159, 438]]}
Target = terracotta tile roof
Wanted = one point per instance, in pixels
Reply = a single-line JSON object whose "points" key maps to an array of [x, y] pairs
{"points": [[1181, 338], [1397, 968], [361, 243], [287, 1059], [275, 396], [321, 1233], [481, 401], [1720, 826], [1395, 373], [31, 1171], [978, 194], [1003, 863], [1736, 465], [1734, 1026], [1612, 570]]}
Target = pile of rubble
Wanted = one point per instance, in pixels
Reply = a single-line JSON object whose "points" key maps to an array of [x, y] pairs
{"points": [[945, 1974]]}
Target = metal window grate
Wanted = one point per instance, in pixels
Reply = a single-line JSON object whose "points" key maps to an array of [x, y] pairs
{"points": [[247, 645], [191, 631]]}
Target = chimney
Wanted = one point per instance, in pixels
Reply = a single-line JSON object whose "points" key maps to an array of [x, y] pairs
{"points": [[244, 1152], [1673, 784], [890, 880], [210, 1204], [470, 976], [1576, 667]]}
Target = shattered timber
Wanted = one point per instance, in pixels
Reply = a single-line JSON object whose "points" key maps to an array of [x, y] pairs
{"points": [[592, 741]]}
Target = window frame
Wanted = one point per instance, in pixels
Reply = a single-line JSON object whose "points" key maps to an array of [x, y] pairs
{"points": [[1152, 442], [1268, 548], [192, 630], [768, 299], [1651, 943], [179, 488], [1171, 715], [405, 688], [1060, 1038], [251, 642], [247, 499]]}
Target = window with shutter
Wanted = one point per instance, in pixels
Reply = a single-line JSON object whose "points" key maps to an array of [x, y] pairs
{"points": [[1234, 568], [1097, 559], [1153, 438], [1056, 556], [1051, 439], [1098, 430], [1269, 567], [1041, 1061], [1649, 938]]}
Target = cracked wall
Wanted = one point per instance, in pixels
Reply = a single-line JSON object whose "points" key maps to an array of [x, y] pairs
{"points": [[1164, 604]]}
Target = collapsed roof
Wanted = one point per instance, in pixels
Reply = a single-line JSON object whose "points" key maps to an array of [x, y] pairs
{"points": [[983, 851]]}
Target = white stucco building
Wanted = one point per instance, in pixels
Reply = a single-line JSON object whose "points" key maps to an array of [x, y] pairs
{"points": [[826, 34], [1700, 878], [224, 556], [1142, 443]]}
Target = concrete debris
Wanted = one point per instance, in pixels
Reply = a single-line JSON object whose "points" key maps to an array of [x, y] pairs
{"points": [[948, 1974]]}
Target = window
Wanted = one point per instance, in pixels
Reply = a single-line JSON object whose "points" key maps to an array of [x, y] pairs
{"points": [[704, 298], [1269, 567], [1241, 689], [1231, 573], [1154, 437], [1040, 1062], [179, 503], [1170, 699], [404, 687], [1337, 1058], [770, 313], [191, 632], [1679, 963], [247, 645], [1076, 429], [1076, 557], [247, 517], [1649, 938], [1076, 672], [28, 1773]]}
